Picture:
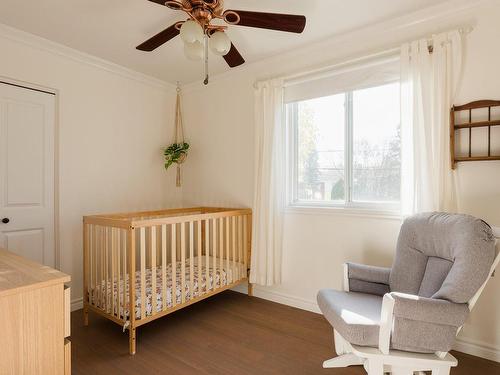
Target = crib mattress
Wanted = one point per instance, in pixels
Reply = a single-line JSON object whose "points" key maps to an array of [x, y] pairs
{"points": [[218, 277]]}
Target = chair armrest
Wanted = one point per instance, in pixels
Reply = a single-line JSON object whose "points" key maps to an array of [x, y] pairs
{"points": [[428, 311], [366, 279], [386, 319]]}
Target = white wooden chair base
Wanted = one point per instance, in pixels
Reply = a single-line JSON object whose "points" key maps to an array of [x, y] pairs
{"points": [[395, 362], [344, 360]]}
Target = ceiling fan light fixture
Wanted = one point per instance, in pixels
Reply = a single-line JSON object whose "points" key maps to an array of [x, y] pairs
{"points": [[220, 44], [194, 51], [191, 32]]}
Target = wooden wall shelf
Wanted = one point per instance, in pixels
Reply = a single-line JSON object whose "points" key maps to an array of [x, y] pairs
{"points": [[470, 124]]}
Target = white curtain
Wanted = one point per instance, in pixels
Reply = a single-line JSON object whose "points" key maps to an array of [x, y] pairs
{"points": [[269, 194], [429, 81]]}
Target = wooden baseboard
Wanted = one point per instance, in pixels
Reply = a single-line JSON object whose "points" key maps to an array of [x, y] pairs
{"points": [[479, 349], [282, 298], [77, 304]]}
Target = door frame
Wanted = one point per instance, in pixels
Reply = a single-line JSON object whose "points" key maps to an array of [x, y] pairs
{"points": [[55, 92]]}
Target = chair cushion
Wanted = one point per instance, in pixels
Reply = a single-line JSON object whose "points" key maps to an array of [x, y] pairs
{"points": [[435, 273], [355, 316], [440, 255]]}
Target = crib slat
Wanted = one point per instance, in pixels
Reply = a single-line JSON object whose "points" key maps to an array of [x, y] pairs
{"points": [[238, 259], [245, 244], [125, 282], [107, 251], [110, 270], [90, 270], [142, 241], [97, 257], [118, 276], [174, 264], [131, 252], [101, 268], [97, 265], [233, 232], [214, 253], [113, 262], [198, 243], [240, 247], [228, 281], [183, 262], [86, 236], [153, 270], [164, 266], [207, 255], [95, 300], [191, 260], [101, 252], [109, 254], [221, 250]]}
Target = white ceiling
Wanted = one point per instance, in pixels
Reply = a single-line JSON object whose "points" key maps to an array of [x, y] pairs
{"points": [[111, 29]]}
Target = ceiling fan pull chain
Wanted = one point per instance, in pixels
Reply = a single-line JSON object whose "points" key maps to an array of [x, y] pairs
{"points": [[206, 60]]}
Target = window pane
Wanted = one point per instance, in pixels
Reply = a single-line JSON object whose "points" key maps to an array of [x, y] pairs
{"points": [[320, 153], [376, 144]]}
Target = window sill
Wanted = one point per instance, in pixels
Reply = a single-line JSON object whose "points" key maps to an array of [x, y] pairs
{"points": [[374, 213]]}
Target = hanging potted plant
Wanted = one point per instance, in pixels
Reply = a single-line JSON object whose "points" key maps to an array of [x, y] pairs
{"points": [[177, 152]]}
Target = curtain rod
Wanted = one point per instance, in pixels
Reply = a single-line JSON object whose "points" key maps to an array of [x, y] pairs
{"points": [[385, 53]]}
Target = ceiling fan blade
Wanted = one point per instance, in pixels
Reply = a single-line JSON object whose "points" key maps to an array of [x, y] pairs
{"points": [[161, 2], [234, 58], [272, 21], [159, 39]]}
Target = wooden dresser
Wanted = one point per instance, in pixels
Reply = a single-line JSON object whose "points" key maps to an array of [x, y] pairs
{"points": [[34, 318]]}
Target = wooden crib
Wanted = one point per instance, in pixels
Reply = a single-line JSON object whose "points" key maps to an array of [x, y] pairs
{"points": [[176, 257]]}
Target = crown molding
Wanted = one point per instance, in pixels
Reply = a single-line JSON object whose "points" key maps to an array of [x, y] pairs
{"points": [[46, 45], [426, 16], [414, 19]]}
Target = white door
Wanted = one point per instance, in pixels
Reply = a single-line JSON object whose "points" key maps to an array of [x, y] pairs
{"points": [[27, 125]]}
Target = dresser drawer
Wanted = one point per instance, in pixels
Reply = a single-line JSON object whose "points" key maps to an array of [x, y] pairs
{"points": [[67, 311]]}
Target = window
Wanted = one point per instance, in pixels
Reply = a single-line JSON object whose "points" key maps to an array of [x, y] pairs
{"points": [[345, 148]]}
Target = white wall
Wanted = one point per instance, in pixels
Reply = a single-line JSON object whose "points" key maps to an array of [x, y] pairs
{"points": [[112, 124], [316, 244]]}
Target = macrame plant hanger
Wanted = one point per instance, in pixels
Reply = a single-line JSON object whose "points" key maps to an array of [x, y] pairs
{"points": [[179, 133]]}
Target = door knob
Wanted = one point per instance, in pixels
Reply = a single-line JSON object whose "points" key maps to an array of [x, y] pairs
{"points": [[5, 220]]}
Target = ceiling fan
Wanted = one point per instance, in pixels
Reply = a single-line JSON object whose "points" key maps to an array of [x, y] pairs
{"points": [[201, 31]]}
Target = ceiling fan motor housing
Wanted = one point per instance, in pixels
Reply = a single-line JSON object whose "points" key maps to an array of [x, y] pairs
{"points": [[201, 10]]}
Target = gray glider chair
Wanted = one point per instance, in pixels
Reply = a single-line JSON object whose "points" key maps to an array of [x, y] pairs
{"points": [[404, 320]]}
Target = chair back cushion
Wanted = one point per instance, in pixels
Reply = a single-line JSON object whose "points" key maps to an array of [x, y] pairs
{"points": [[445, 256]]}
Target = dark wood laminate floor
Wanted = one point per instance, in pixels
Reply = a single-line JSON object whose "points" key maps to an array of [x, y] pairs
{"points": [[231, 334]]}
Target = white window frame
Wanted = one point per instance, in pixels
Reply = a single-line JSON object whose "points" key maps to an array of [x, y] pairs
{"points": [[350, 206]]}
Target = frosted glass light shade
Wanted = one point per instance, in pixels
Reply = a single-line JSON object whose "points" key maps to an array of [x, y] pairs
{"points": [[220, 43], [191, 32], [194, 51]]}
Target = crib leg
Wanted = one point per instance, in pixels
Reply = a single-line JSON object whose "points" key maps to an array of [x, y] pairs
{"points": [[250, 289], [131, 340], [85, 316]]}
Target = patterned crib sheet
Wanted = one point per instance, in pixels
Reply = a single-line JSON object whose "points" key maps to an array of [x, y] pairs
{"points": [[221, 276]]}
